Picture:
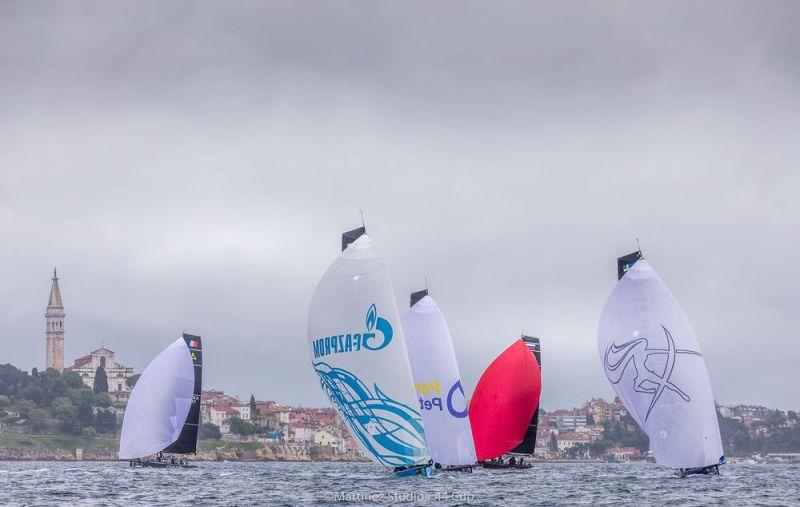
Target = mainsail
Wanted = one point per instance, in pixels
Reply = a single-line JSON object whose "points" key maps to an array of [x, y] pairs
{"points": [[438, 382], [359, 353], [164, 407], [626, 262], [652, 359], [528, 444], [504, 401]]}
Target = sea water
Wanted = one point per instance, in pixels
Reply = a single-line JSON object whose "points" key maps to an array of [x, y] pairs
{"points": [[115, 483]]}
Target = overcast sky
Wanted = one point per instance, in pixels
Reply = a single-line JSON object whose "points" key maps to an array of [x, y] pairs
{"points": [[195, 163]]}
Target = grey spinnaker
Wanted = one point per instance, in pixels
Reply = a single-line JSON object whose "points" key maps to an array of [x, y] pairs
{"points": [[651, 357]]}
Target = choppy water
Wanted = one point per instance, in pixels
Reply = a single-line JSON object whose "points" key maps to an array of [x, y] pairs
{"points": [[43, 483]]}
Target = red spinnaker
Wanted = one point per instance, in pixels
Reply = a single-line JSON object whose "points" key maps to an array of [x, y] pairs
{"points": [[504, 401]]}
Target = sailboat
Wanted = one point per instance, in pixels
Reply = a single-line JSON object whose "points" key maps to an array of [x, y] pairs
{"points": [[437, 382], [358, 351], [650, 355], [504, 404], [163, 412]]}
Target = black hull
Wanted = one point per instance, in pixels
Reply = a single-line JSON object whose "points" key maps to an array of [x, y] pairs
{"points": [[709, 470], [464, 468], [498, 466], [159, 464]]}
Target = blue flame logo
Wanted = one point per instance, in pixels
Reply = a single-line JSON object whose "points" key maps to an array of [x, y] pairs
{"points": [[391, 431], [457, 387], [372, 316], [381, 325]]}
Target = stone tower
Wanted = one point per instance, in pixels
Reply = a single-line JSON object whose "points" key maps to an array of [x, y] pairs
{"points": [[54, 317]]}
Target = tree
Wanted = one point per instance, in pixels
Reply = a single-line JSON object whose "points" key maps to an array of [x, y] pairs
{"points": [[37, 419], [100, 381], [4, 401], [72, 380], [553, 446], [240, 427], [62, 406], [106, 421], [209, 431], [253, 407], [102, 400], [590, 419], [131, 381], [89, 433], [70, 424]]}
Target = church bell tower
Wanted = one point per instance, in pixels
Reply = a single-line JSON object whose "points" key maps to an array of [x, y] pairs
{"points": [[54, 318]]}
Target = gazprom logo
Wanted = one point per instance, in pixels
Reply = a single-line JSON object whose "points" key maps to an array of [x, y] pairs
{"points": [[378, 335]]}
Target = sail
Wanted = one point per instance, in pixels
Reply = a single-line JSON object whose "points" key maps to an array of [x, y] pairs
{"points": [[350, 236], [504, 401], [651, 357], [528, 444], [359, 353], [160, 403], [626, 262], [187, 440], [438, 383]]}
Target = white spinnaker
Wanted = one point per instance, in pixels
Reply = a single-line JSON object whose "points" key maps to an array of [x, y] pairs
{"points": [[159, 403], [438, 384], [651, 357], [359, 353]]}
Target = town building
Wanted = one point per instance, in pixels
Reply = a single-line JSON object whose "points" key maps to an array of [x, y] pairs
{"points": [[323, 437], [117, 374], [242, 409], [54, 328], [220, 416], [568, 422], [624, 453], [303, 433], [570, 440]]}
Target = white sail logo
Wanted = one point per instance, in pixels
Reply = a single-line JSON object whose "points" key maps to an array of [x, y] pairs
{"points": [[647, 380]]}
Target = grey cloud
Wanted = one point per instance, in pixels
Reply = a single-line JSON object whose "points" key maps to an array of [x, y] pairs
{"points": [[193, 164]]}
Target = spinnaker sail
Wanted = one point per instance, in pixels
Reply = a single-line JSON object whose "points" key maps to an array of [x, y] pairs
{"points": [[359, 353], [437, 381], [528, 444], [504, 401], [163, 410], [650, 355]]}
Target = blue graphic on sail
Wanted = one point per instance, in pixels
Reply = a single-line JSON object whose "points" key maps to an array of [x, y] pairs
{"points": [[390, 430]]}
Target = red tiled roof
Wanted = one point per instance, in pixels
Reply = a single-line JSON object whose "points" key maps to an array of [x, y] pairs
{"points": [[81, 361]]}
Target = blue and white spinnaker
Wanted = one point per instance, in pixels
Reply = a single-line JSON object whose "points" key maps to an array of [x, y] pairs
{"points": [[359, 353]]}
